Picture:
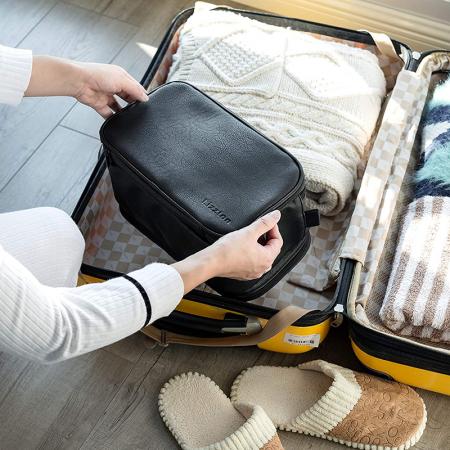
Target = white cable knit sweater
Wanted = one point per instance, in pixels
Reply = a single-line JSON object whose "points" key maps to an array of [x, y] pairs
{"points": [[43, 317], [320, 100]]}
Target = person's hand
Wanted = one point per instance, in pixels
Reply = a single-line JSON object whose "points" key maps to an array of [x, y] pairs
{"points": [[98, 83], [93, 84], [239, 255]]}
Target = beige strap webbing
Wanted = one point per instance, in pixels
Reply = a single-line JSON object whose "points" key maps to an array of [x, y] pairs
{"points": [[277, 323], [384, 44]]}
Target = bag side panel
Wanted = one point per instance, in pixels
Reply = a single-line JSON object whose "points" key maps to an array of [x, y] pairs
{"points": [[151, 210]]}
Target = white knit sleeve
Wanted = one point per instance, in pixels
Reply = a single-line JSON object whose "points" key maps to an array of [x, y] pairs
{"points": [[52, 324], [15, 74]]}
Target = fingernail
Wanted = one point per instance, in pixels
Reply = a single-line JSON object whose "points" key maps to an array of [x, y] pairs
{"points": [[144, 98], [276, 214]]}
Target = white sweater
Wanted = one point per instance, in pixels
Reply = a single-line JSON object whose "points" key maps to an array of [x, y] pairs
{"points": [[318, 99], [50, 324]]}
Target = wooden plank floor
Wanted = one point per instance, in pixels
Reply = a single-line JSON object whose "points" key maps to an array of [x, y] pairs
{"points": [[107, 399]]}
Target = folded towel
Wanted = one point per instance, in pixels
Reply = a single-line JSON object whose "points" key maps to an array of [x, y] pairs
{"points": [[318, 99], [417, 300]]}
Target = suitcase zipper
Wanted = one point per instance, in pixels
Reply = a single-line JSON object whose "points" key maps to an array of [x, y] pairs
{"points": [[390, 348], [418, 57], [338, 316]]}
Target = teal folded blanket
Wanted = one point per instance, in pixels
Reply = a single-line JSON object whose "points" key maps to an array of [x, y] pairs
{"points": [[433, 174]]}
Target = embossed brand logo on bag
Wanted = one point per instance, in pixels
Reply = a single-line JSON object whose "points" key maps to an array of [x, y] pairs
{"points": [[216, 210]]}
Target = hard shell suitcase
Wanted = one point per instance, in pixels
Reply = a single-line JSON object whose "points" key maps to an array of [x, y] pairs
{"points": [[346, 273]]}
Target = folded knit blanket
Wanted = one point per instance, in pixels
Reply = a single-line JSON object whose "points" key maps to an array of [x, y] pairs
{"points": [[318, 99], [417, 301], [433, 175]]}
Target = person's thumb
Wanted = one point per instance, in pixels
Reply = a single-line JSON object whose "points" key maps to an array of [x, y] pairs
{"points": [[266, 223]]}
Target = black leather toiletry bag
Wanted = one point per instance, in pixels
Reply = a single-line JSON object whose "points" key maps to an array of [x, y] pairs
{"points": [[185, 171]]}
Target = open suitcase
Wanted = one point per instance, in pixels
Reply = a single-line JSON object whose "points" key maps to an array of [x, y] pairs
{"points": [[344, 274]]}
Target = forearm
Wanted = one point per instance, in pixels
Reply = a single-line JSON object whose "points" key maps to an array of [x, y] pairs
{"points": [[95, 85], [53, 324], [198, 268], [52, 76]]}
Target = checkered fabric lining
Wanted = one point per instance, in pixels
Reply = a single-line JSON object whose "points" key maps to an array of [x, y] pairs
{"points": [[386, 166], [112, 243]]}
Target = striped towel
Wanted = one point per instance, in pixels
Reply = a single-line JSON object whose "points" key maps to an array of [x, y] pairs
{"points": [[417, 301]]}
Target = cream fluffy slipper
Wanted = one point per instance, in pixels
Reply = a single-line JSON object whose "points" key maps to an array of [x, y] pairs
{"points": [[201, 416], [334, 403]]}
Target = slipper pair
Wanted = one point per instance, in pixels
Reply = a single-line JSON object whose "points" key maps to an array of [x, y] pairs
{"points": [[316, 398]]}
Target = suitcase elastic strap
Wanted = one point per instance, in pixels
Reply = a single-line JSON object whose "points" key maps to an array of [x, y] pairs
{"points": [[384, 44], [276, 324]]}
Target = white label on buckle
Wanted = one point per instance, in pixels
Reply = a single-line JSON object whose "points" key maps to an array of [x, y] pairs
{"points": [[311, 340]]}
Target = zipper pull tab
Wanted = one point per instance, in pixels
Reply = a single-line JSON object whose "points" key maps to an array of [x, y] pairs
{"points": [[338, 316]]}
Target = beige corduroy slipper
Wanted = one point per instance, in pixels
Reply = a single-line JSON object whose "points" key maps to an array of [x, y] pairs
{"points": [[201, 416], [334, 403]]}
